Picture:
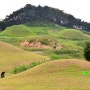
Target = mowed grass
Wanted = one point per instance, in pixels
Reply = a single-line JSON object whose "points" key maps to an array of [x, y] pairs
{"points": [[49, 29], [63, 74], [44, 29], [17, 31], [30, 30], [11, 56], [73, 34]]}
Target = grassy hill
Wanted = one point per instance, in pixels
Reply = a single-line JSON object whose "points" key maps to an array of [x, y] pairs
{"points": [[17, 31], [42, 34], [43, 28], [73, 34], [71, 40], [60, 75], [31, 29], [30, 13], [63, 74], [11, 56], [41, 41]]}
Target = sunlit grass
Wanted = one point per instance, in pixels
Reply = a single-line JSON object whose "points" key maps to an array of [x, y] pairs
{"points": [[54, 75], [11, 56]]}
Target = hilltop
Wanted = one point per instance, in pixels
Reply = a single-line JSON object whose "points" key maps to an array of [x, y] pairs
{"points": [[17, 30], [73, 34], [31, 29], [30, 13]]}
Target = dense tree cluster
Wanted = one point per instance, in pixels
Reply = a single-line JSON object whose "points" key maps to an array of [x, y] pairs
{"points": [[31, 13], [87, 51]]}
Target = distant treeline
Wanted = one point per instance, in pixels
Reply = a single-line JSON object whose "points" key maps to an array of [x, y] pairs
{"points": [[32, 13]]}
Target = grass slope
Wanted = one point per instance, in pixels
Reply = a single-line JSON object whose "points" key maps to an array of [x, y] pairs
{"points": [[17, 30], [54, 75], [11, 56], [31, 29], [73, 34], [70, 39], [43, 28]]}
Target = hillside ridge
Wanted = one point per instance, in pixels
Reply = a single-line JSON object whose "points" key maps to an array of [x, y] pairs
{"points": [[30, 13]]}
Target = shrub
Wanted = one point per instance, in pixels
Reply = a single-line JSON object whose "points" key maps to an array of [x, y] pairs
{"points": [[23, 68], [87, 51], [19, 69], [54, 47], [54, 56], [44, 41], [33, 64]]}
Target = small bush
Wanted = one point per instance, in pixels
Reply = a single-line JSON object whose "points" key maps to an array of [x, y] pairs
{"points": [[54, 47], [44, 41], [23, 68], [19, 69], [87, 51], [54, 56], [33, 64], [70, 53], [62, 51]]}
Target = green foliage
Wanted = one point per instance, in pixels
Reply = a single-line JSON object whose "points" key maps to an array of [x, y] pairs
{"points": [[65, 51], [54, 47], [54, 56], [87, 51], [44, 41], [86, 32], [19, 69], [70, 53], [33, 64], [32, 13], [24, 68]]}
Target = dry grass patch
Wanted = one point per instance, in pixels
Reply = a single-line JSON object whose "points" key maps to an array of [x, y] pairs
{"points": [[54, 75], [11, 56]]}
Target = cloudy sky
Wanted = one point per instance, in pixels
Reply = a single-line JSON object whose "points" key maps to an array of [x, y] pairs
{"points": [[78, 8]]}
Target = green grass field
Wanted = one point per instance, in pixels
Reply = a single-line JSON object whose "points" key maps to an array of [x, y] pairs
{"points": [[72, 34], [17, 31], [50, 74], [70, 39], [30, 30]]}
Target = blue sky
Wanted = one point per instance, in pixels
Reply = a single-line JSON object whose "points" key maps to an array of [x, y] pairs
{"points": [[78, 8]]}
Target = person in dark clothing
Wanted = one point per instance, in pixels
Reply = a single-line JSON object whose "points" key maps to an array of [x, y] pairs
{"points": [[2, 74]]}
